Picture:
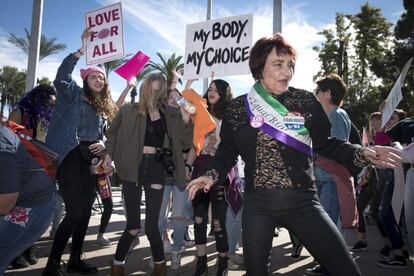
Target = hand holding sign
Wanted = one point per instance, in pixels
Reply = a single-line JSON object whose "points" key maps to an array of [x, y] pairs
{"points": [[132, 67], [105, 43]]}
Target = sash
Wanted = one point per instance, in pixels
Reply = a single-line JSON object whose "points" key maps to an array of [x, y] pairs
{"points": [[274, 119]]}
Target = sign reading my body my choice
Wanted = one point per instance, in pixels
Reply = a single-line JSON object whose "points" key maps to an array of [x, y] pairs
{"points": [[221, 45], [106, 42]]}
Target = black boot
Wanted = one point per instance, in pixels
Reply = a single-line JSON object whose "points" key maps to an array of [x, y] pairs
{"points": [[222, 266], [30, 255], [52, 269], [76, 265], [19, 262], [201, 266]]}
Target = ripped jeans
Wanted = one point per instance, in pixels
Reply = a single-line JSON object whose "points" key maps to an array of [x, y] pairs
{"points": [[151, 176], [218, 217], [201, 203]]}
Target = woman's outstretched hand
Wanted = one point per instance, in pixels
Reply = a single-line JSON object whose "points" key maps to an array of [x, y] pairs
{"points": [[202, 182], [383, 157]]}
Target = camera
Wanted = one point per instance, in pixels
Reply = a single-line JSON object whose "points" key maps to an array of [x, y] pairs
{"points": [[167, 160]]}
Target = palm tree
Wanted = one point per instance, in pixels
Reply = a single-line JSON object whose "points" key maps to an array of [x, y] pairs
{"points": [[12, 84], [48, 46], [109, 66], [168, 65]]}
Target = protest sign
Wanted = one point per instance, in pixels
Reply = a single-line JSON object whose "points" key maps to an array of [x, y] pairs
{"points": [[221, 45], [106, 42], [132, 67], [395, 95]]}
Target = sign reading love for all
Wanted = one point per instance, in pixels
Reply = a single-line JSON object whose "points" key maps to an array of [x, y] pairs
{"points": [[106, 42], [221, 45]]}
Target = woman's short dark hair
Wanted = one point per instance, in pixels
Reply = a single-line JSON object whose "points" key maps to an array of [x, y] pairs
{"points": [[262, 49]]}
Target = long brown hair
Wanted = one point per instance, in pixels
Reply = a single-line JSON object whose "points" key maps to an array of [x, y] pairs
{"points": [[149, 99], [101, 102]]}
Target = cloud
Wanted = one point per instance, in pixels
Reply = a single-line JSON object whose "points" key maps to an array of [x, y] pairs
{"points": [[10, 55]]}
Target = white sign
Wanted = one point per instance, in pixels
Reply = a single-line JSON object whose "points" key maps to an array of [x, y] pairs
{"points": [[106, 42], [395, 95], [221, 45]]}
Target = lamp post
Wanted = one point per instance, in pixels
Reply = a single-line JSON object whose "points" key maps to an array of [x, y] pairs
{"points": [[34, 47]]}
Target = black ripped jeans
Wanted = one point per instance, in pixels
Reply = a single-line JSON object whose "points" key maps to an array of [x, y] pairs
{"points": [[151, 175], [201, 203]]}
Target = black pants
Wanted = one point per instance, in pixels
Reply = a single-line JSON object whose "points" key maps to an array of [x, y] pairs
{"points": [[201, 203], [371, 194], [218, 216], [108, 206], [77, 187], [151, 172], [300, 212]]}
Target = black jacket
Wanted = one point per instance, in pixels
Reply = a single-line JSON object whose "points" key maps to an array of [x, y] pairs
{"points": [[238, 137]]}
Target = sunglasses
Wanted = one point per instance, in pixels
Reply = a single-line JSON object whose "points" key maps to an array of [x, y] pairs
{"points": [[319, 89]]}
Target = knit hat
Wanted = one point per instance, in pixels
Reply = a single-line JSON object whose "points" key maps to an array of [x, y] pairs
{"points": [[85, 72]]}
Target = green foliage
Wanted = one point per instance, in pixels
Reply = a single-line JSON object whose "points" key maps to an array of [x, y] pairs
{"points": [[109, 66], [359, 58], [12, 84], [44, 80], [167, 66], [48, 46]]}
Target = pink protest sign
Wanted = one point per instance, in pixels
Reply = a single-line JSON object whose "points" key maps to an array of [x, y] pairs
{"points": [[132, 67]]}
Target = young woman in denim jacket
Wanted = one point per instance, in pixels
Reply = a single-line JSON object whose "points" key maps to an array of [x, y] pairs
{"points": [[76, 130], [135, 141]]}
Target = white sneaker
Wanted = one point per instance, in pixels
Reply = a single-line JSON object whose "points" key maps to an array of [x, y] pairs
{"points": [[167, 246], [237, 259], [102, 240], [232, 265], [175, 260], [134, 243]]}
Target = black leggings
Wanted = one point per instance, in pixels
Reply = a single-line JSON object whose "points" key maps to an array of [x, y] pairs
{"points": [[108, 206], [371, 194], [77, 186]]}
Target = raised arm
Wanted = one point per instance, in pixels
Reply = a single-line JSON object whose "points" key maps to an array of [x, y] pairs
{"points": [[63, 82], [130, 84]]}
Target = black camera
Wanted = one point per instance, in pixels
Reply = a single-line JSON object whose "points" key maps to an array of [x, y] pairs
{"points": [[167, 160]]}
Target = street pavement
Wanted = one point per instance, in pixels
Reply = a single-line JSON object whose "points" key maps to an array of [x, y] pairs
{"points": [[137, 262]]}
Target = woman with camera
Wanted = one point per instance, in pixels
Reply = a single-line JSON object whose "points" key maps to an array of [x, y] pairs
{"points": [[145, 140]]}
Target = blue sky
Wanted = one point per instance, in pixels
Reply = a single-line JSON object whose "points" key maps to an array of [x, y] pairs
{"points": [[159, 26]]}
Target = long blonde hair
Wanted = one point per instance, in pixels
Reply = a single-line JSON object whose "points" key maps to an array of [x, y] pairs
{"points": [[149, 99]]}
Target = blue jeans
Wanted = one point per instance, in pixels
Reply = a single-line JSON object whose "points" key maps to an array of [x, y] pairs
{"points": [[386, 213], [233, 226], [21, 228], [181, 207], [329, 199]]}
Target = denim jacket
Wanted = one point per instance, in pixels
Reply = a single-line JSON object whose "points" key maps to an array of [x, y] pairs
{"points": [[73, 118]]}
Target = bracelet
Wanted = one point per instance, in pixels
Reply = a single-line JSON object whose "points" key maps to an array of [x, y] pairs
{"points": [[190, 168], [80, 52]]}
